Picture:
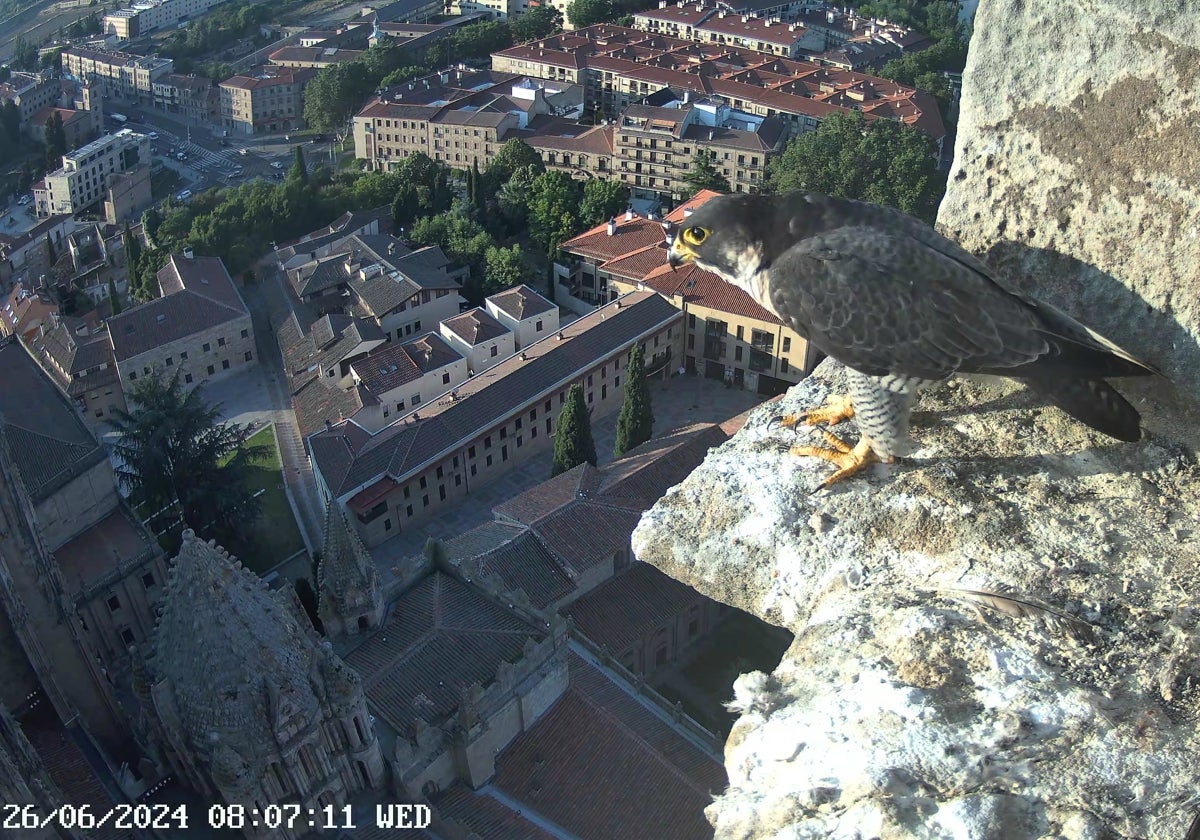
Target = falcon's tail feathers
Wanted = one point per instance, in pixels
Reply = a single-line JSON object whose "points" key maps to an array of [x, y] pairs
{"points": [[1095, 403]]}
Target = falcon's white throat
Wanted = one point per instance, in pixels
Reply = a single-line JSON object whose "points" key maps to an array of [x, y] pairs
{"points": [[744, 271]]}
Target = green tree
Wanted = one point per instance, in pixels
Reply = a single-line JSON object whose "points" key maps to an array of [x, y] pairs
{"points": [[173, 449], [513, 155], [553, 204], [573, 444], [704, 175], [25, 55], [885, 162], [114, 298], [537, 22], [334, 94], [583, 13], [504, 269], [299, 168], [151, 219], [476, 40], [601, 201], [635, 424], [25, 179], [56, 141], [513, 197]]}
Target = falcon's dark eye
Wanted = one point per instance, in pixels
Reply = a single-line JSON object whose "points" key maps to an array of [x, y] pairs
{"points": [[695, 235]]}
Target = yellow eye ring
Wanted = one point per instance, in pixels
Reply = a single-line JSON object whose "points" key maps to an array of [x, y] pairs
{"points": [[695, 235]]}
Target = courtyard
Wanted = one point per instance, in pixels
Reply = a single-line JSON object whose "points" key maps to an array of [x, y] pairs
{"points": [[274, 536], [679, 401]]}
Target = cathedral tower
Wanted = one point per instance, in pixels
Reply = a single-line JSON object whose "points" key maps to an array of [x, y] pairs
{"points": [[254, 708]]}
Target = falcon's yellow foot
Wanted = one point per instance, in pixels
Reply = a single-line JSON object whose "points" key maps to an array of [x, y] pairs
{"points": [[836, 409], [849, 460]]}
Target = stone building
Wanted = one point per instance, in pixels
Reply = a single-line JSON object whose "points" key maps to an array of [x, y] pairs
{"points": [[24, 780], [347, 581], [526, 313], [119, 75], [249, 706], [199, 326], [30, 92], [479, 337], [77, 355], [435, 454], [728, 336], [270, 100]]}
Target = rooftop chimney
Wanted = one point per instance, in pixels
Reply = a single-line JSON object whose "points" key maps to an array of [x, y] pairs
{"points": [[629, 214], [687, 212], [612, 226], [188, 254]]}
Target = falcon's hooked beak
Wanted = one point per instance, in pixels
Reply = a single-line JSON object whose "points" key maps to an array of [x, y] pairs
{"points": [[678, 251]]}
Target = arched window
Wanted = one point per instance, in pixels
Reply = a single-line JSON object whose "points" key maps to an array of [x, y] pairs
{"points": [[358, 729]]}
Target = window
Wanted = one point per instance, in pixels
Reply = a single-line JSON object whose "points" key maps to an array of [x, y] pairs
{"points": [[532, 432], [473, 470], [114, 603], [170, 361], [425, 500], [221, 342], [225, 364], [458, 481], [489, 460], [471, 452], [741, 333], [487, 442], [445, 379], [424, 483], [183, 355], [787, 343], [416, 400], [409, 510], [211, 370], [547, 409], [494, 350], [132, 375], [127, 635], [245, 333], [187, 377], [784, 367], [538, 326], [532, 415], [148, 580], [504, 433], [737, 353], [207, 347], [439, 472], [249, 355], [442, 492]]}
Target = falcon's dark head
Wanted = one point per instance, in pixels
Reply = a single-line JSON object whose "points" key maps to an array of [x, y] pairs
{"points": [[727, 236]]}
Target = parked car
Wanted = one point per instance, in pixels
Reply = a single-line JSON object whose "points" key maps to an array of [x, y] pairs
{"points": [[180, 156], [276, 164], [243, 152], [25, 199], [183, 195], [153, 135]]}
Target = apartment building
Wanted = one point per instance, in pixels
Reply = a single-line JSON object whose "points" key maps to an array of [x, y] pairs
{"points": [[430, 457], [619, 66], [270, 100], [710, 23], [30, 92], [199, 326], [656, 145], [118, 75], [84, 177], [479, 337], [459, 116], [528, 315], [398, 377], [195, 98], [728, 335], [145, 16]]}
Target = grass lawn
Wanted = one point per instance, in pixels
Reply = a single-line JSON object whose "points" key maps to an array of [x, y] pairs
{"points": [[274, 536]]}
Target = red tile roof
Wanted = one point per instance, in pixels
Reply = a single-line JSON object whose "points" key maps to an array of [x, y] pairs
{"points": [[630, 235], [629, 607], [602, 765]]}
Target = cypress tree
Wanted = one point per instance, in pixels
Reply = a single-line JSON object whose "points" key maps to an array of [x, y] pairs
{"points": [[573, 442], [636, 421], [471, 186], [114, 299], [300, 167], [480, 194], [50, 251]]}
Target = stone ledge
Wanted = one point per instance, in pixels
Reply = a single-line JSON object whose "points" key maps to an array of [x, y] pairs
{"points": [[903, 710]]}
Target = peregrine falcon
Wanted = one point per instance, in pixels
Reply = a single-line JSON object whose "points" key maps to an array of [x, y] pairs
{"points": [[901, 306]]}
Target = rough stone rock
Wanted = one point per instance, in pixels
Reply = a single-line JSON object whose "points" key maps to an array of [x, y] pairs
{"points": [[906, 708], [1076, 169]]}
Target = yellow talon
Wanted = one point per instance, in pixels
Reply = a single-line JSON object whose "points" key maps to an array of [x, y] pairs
{"points": [[836, 409], [848, 460]]}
